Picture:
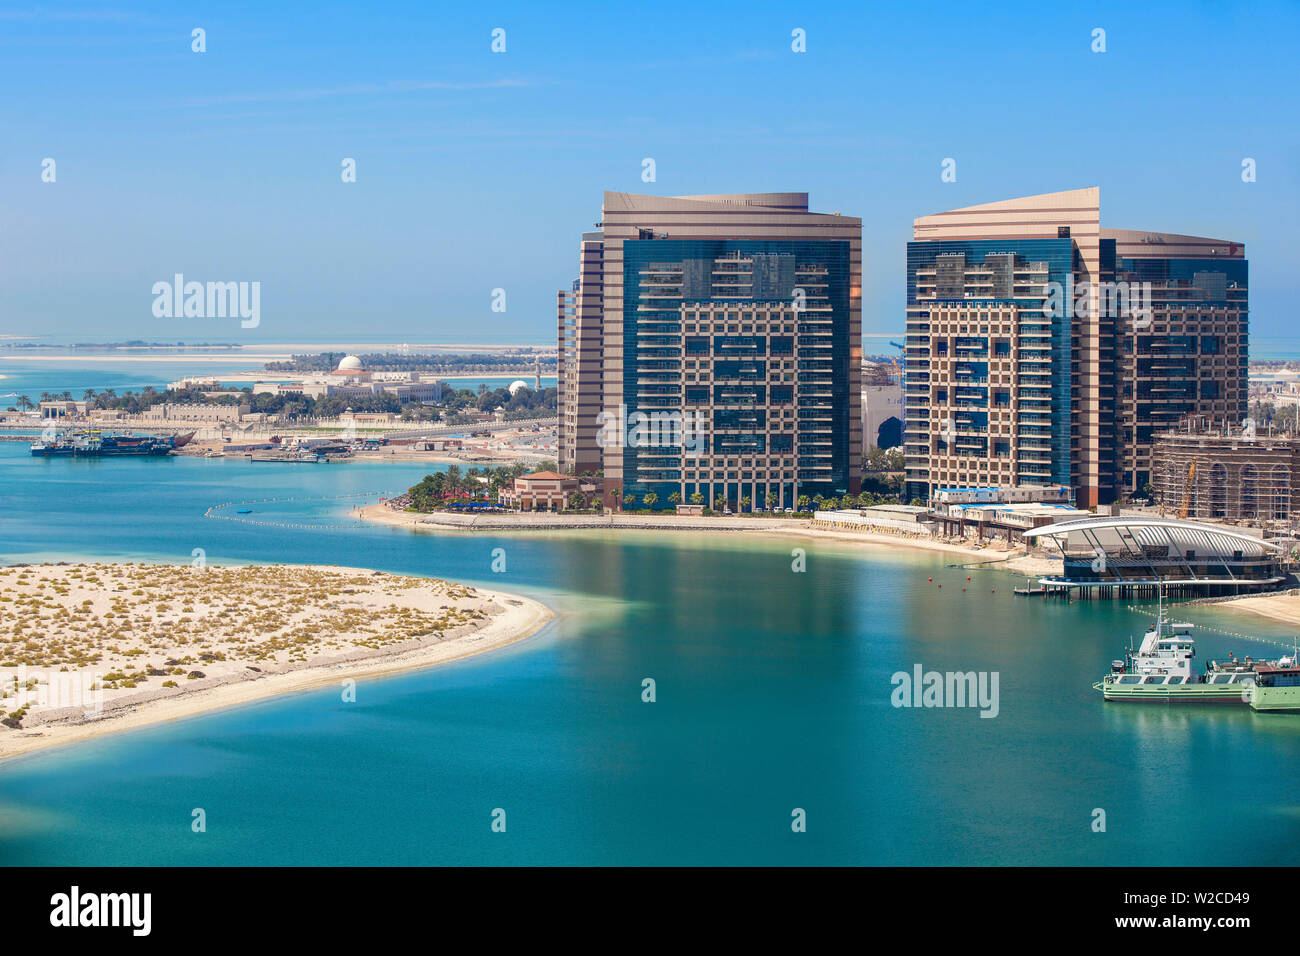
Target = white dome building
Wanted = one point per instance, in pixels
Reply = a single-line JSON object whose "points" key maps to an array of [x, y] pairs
{"points": [[350, 363], [516, 385]]}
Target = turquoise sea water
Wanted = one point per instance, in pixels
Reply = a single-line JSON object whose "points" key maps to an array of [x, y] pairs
{"points": [[773, 693]]}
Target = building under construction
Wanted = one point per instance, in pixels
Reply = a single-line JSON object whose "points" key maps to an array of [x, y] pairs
{"points": [[1230, 474]]}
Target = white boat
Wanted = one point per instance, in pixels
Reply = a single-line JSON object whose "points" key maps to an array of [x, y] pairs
{"points": [[1160, 670]]}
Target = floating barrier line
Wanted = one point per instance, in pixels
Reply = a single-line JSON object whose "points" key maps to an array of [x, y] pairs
{"points": [[213, 510], [1220, 630]]}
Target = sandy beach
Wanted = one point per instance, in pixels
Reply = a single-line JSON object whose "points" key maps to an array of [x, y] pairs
{"points": [[1283, 606], [94, 648], [1011, 560]]}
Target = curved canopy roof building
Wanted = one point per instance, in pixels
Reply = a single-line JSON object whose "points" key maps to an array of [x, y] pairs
{"points": [[1114, 551]]}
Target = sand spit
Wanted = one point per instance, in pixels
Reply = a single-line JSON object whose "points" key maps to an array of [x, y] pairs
{"points": [[93, 648]]}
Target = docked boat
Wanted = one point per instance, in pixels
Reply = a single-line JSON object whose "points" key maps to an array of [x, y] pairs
{"points": [[1160, 671], [51, 448], [96, 444], [1277, 688]]}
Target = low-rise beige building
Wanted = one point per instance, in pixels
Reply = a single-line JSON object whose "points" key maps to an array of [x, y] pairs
{"points": [[540, 491], [169, 412]]}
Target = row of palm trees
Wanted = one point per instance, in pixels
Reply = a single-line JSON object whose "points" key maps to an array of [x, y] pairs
{"points": [[98, 399], [469, 483]]}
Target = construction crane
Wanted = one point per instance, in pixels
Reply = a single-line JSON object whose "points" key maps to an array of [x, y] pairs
{"points": [[1187, 492], [903, 348]]}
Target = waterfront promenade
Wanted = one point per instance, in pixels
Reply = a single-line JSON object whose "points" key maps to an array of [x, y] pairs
{"points": [[1011, 560]]}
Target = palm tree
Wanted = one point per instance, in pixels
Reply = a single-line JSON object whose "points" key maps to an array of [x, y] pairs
{"points": [[745, 502], [803, 502], [773, 501], [629, 500], [650, 499], [675, 498], [25, 403], [697, 498], [453, 479]]}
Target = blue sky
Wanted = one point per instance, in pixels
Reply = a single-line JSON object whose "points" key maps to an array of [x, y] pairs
{"points": [[478, 170]]}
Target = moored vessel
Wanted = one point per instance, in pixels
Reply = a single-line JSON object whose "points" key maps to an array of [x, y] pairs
{"points": [[1160, 670], [97, 444], [1277, 687]]}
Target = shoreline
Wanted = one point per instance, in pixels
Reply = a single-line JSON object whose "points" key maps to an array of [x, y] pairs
{"points": [[1282, 607], [1009, 560], [513, 619]]}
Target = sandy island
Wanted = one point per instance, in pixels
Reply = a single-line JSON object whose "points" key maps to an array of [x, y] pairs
{"points": [[87, 649], [1013, 559]]}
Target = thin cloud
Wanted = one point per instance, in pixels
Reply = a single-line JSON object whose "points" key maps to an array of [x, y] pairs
{"points": [[365, 89]]}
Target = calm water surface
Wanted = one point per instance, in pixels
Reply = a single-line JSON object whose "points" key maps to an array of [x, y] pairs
{"points": [[773, 693]]}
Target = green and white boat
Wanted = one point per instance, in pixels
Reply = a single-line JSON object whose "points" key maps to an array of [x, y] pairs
{"points": [[1160, 671], [1277, 688]]}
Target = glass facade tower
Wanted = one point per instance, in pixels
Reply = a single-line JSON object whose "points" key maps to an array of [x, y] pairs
{"points": [[729, 331]]}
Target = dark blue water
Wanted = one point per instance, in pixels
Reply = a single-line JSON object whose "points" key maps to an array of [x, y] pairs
{"points": [[773, 694]]}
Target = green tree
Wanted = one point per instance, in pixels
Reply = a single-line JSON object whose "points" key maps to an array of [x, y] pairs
{"points": [[629, 500], [675, 498], [804, 502], [453, 479], [773, 501], [577, 502], [650, 499], [697, 498], [745, 502]]}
